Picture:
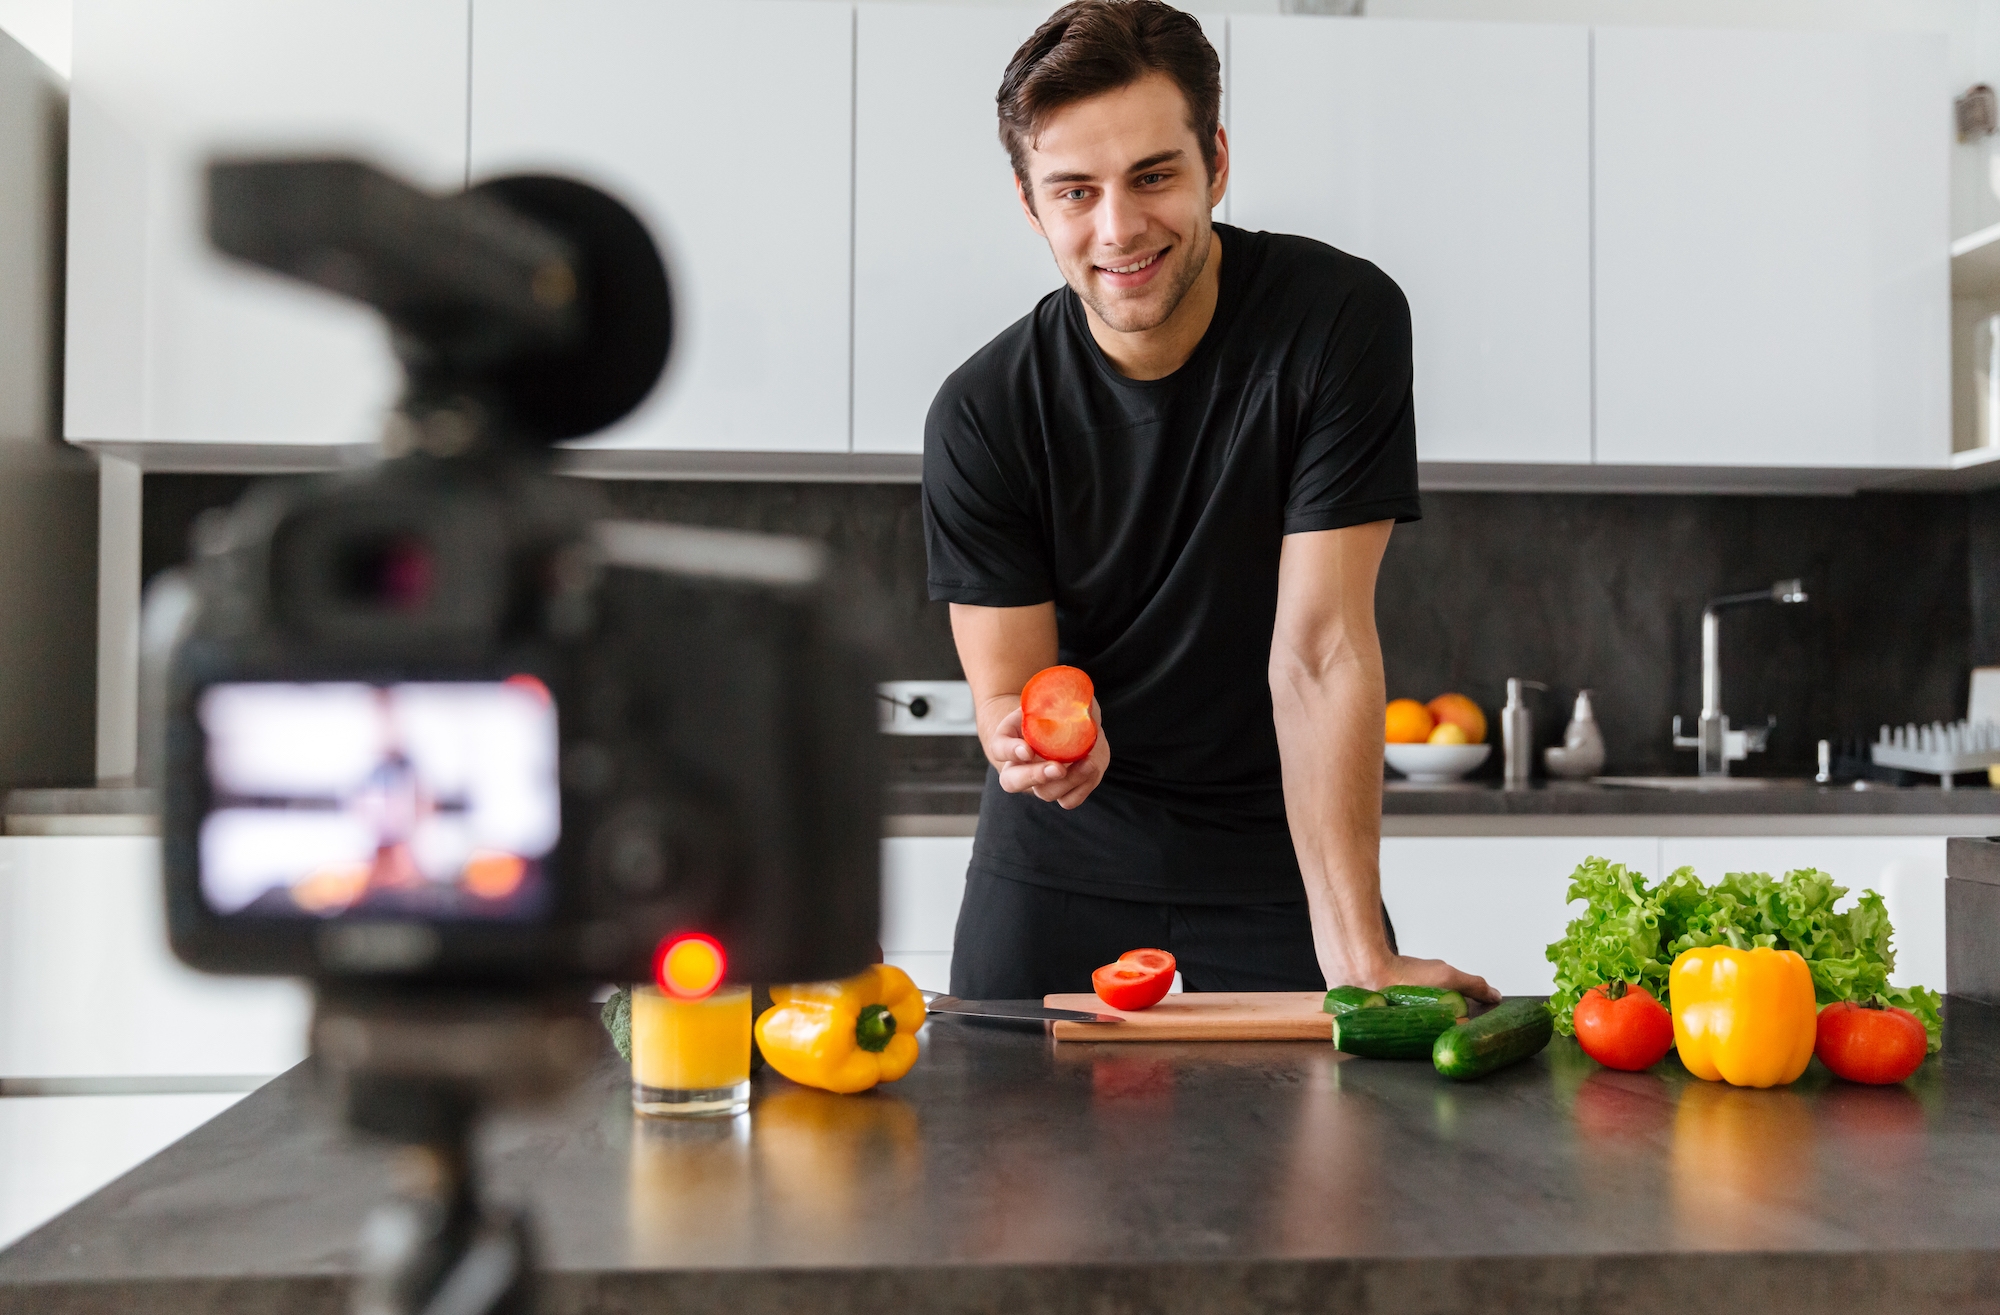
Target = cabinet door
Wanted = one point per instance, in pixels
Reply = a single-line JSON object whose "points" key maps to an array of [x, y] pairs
{"points": [[1456, 156], [166, 340], [88, 987], [923, 880], [726, 127], [1491, 905], [1908, 871], [1772, 270], [943, 258]]}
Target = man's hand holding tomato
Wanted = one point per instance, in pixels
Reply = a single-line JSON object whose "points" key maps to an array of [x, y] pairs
{"points": [[1022, 769]]}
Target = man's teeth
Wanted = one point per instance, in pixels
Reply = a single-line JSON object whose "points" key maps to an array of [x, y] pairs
{"points": [[1132, 269]]}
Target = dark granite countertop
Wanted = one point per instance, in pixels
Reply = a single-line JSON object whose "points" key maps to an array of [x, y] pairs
{"points": [[1009, 1173], [957, 792], [1768, 797]]}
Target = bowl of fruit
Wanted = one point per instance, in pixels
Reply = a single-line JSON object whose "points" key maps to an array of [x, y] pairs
{"points": [[1437, 742]]}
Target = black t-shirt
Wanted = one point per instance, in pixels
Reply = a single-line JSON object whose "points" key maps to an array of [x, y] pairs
{"points": [[1152, 513]]}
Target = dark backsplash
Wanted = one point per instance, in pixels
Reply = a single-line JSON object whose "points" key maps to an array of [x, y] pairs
{"points": [[1597, 591]]}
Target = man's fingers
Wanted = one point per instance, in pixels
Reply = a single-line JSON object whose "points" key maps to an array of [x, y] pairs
{"points": [[1436, 972], [1474, 988]]}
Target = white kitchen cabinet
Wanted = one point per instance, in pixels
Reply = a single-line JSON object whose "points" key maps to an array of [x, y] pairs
{"points": [[165, 339], [923, 880], [1908, 871], [1490, 905], [1771, 265], [727, 128], [89, 989], [1456, 156], [943, 258], [56, 1150]]}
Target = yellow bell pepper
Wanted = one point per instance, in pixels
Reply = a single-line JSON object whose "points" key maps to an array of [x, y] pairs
{"points": [[844, 1036], [1746, 1017]]}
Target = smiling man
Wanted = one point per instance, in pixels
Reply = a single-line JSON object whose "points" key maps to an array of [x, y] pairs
{"points": [[1179, 473]]}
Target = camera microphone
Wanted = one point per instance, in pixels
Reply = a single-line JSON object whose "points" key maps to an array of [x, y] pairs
{"points": [[532, 308]]}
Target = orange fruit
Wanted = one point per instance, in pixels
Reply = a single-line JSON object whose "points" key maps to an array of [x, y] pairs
{"points": [[1447, 733], [1462, 713], [1408, 722]]}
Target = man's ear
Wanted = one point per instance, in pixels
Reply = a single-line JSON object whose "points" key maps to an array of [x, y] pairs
{"points": [[1220, 183], [1027, 207]]}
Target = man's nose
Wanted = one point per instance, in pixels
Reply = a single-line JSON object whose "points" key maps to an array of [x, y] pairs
{"points": [[1120, 220]]}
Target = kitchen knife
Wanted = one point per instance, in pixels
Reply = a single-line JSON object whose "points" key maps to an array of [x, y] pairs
{"points": [[1020, 1010]]}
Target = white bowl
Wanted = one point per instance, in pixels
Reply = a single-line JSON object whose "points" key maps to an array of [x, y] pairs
{"points": [[1434, 764]]}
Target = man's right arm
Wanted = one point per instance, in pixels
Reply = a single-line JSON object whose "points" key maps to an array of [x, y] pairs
{"points": [[1000, 648]]}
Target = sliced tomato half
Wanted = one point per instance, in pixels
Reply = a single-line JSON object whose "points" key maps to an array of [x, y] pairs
{"points": [[1139, 979], [1055, 714]]}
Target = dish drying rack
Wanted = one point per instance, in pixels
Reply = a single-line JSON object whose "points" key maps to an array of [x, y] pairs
{"points": [[1938, 749]]}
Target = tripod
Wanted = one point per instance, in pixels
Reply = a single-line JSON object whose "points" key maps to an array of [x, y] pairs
{"points": [[419, 1067]]}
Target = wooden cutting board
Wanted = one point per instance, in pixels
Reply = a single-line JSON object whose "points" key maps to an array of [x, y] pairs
{"points": [[1204, 1016]]}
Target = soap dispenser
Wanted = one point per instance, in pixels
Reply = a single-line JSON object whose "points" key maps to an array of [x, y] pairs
{"points": [[1517, 735], [1581, 753]]}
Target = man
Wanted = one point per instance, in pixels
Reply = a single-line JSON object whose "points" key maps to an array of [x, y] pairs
{"points": [[1178, 473]]}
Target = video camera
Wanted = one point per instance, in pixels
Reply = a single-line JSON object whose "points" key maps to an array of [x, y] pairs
{"points": [[444, 722], [448, 740]]}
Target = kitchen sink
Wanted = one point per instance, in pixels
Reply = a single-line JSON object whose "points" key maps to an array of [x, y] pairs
{"points": [[1702, 784]]}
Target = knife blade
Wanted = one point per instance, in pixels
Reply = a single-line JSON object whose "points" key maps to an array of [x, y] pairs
{"points": [[1032, 1011]]}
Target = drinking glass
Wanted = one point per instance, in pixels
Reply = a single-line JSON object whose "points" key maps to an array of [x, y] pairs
{"points": [[691, 1058]]}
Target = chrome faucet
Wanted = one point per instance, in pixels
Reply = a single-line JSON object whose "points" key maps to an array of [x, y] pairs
{"points": [[1715, 744]]}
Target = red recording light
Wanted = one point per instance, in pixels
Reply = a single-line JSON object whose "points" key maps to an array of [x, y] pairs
{"points": [[689, 965]]}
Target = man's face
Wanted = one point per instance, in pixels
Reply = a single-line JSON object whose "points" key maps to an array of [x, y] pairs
{"points": [[1120, 192]]}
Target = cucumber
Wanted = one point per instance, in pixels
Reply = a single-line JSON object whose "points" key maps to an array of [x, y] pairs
{"points": [[1426, 995], [1391, 1033], [1505, 1034], [1347, 999]]}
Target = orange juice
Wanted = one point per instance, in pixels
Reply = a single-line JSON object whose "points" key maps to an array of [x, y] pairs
{"points": [[690, 1056]]}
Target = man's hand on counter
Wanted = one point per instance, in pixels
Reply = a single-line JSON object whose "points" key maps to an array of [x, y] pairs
{"points": [[1407, 970], [1022, 769]]}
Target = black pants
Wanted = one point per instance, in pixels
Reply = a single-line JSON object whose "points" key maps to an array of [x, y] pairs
{"points": [[1021, 942]]}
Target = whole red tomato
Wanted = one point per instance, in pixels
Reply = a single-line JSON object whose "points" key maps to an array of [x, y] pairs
{"points": [[1623, 1026], [1870, 1042]]}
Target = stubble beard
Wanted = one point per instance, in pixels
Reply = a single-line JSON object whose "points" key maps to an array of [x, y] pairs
{"points": [[1137, 318]]}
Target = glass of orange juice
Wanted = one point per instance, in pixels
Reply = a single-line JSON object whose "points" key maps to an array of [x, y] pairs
{"points": [[691, 1058]]}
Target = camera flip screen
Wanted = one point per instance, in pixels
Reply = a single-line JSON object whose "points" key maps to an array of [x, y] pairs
{"points": [[434, 800]]}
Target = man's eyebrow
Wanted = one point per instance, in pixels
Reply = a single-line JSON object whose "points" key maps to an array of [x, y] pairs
{"points": [[1152, 161]]}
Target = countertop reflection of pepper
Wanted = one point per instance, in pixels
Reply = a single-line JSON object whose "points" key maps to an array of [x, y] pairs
{"points": [[1746, 1017], [844, 1036]]}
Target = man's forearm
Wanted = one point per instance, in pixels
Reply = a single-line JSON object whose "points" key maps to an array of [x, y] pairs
{"points": [[1328, 710]]}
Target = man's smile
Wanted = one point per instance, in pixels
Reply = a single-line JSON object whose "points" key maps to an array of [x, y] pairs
{"points": [[1135, 271]]}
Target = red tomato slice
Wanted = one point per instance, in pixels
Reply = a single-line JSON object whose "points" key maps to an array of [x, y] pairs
{"points": [[1861, 1044], [1138, 980], [1055, 714]]}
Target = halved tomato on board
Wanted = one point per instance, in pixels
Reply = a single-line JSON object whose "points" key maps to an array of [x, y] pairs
{"points": [[1055, 714], [1138, 980]]}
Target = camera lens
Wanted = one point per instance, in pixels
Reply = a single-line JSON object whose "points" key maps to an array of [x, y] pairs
{"points": [[393, 572]]}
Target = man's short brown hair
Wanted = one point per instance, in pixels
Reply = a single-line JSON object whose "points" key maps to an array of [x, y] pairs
{"points": [[1089, 47]]}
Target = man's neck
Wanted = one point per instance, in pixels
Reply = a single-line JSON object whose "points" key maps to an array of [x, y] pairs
{"points": [[1157, 352]]}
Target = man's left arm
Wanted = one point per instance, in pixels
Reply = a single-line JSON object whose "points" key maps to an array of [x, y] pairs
{"points": [[1327, 695]]}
